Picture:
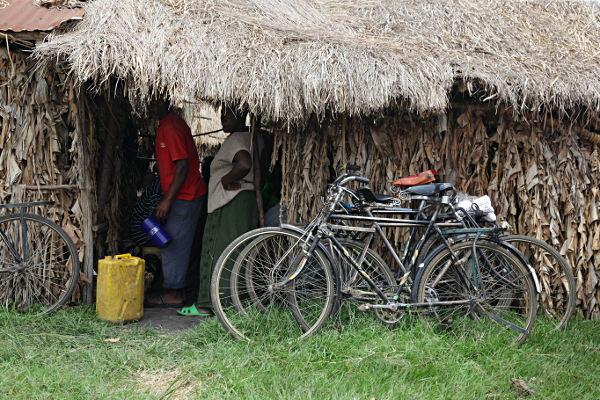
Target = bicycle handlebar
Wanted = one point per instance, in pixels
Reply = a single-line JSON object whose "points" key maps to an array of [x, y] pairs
{"points": [[27, 205], [344, 176], [350, 176], [347, 179], [351, 167]]}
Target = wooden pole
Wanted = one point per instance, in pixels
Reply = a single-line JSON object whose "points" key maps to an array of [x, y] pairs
{"points": [[86, 198], [106, 172], [344, 140], [100, 227], [255, 127], [50, 187]]}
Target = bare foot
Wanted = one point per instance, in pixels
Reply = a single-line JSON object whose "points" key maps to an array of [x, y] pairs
{"points": [[170, 296], [202, 310]]}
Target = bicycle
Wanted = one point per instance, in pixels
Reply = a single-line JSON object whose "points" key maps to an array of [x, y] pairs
{"points": [[298, 277], [556, 297], [427, 195], [39, 264]]}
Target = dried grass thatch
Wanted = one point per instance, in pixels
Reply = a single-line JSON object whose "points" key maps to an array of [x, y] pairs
{"points": [[289, 59]]}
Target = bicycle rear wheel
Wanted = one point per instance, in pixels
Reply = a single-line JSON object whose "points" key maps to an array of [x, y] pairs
{"points": [[558, 295], [39, 264], [489, 282], [244, 297]]}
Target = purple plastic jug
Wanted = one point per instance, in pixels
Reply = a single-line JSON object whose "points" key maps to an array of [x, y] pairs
{"points": [[156, 231]]}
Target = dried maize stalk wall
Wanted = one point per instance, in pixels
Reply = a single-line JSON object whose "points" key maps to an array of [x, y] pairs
{"points": [[38, 142], [541, 174]]}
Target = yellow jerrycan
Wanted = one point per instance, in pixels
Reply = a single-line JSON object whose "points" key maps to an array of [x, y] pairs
{"points": [[120, 288]]}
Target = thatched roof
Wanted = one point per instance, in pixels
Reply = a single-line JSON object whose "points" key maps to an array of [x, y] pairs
{"points": [[290, 58]]}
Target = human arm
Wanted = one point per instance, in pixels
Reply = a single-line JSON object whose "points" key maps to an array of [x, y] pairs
{"points": [[181, 170], [242, 164]]}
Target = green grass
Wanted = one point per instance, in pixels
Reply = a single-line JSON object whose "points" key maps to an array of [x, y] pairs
{"points": [[67, 356]]}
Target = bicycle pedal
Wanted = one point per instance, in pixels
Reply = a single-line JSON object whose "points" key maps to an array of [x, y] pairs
{"points": [[364, 307], [446, 323]]}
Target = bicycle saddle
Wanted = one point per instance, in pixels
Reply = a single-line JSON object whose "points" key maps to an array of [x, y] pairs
{"points": [[366, 195], [417, 179], [429, 190]]}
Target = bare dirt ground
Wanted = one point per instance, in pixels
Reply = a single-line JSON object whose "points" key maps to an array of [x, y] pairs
{"points": [[167, 320]]}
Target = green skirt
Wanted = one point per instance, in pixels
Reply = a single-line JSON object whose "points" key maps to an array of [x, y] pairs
{"points": [[223, 226]]}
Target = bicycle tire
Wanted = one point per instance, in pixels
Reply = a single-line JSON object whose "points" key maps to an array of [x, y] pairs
{"points": [[432, 242], [504, 289], [250, 263], [258, 259], [47, 275], [558, 294]]}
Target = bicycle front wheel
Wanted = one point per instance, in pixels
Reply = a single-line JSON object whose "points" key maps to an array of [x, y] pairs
{"points": [[244, 293], [471, 285], [39, 264]]}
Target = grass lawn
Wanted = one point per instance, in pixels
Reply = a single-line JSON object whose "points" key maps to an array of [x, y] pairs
{"points": [[73, 355]]}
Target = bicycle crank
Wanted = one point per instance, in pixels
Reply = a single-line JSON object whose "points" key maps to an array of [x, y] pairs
{"points": [[388, 316]]}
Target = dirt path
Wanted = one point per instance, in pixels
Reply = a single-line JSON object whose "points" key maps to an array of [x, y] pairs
{"points": [[167, 320]]}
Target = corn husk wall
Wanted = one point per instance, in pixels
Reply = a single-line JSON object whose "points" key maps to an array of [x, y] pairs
{"points": [[541, 174], [39, 145], [41, 152]]}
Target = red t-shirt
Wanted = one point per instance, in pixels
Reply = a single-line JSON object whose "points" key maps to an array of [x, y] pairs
{"points": [[174, 142]]}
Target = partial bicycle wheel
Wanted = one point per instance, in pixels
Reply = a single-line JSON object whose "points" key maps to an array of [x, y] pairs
{"points": [[39, 265], [245, 296], [558, 295], [488, 283], [557, 298]]}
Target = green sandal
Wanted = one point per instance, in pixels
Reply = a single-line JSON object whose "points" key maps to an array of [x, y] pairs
{"points": [[192, 310]]}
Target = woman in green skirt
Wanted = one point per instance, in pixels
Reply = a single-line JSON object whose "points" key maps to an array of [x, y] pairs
{"points": [[232, 207]]}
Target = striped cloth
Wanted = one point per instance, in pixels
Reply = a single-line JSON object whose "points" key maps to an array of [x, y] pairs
{"points": [[143, 209]]}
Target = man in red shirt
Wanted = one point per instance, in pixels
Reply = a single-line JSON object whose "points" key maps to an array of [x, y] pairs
{"points": [[184, 194]]}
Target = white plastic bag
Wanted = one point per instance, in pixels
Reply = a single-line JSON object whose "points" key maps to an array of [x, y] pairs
{"points": [[484, 203]]}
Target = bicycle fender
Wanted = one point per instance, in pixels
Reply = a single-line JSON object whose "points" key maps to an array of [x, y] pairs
{"points": [[524, 260], [519, 255]]}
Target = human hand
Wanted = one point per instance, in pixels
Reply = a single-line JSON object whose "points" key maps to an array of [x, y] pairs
{"points": [[237, 185], [162, 209]]}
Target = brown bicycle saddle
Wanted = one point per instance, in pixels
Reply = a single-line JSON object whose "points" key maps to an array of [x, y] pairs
{"points": [[417, 179]]}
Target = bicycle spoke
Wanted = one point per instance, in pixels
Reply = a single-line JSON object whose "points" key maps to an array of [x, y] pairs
{"points": [[39, 265], [499, 288]]}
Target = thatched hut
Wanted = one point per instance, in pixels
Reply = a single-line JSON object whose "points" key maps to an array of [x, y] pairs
{"points": [[40, 152], [64, 144], [501, 97]]}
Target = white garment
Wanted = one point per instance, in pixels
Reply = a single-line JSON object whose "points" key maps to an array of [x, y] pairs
{"points": [[484, 203], [223, 163]]}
